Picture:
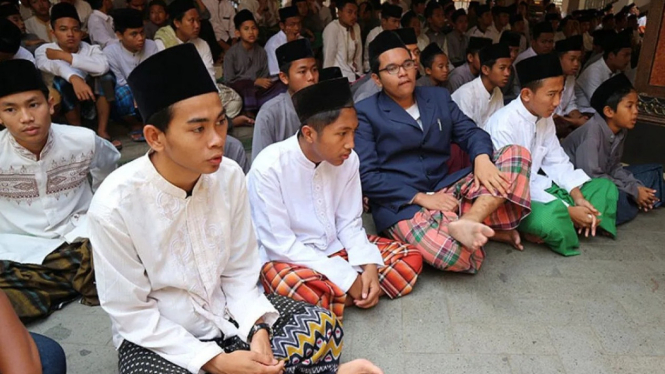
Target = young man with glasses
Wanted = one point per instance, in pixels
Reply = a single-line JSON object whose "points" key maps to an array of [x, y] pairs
{"points": [[404, 140]]}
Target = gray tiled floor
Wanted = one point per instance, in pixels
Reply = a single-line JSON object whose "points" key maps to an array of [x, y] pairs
{"points": [[526, 312]]}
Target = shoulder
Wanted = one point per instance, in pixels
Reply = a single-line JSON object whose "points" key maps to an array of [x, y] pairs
{"points": [[269, 159], [274, 103], [499, 121], [368, 104], [44, 47], [73, 133], [113, 48], [122, 182]]}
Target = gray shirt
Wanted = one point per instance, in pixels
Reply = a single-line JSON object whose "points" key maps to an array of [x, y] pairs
{"points": [[437, 37], [457, 44], [424, 81], [276, 121], [595, 149], [234, 150], [243, 64], [460, 76], [365, 90]]}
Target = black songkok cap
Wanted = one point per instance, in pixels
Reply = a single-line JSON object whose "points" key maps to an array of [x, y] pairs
{"points": [[330, 73], [18, 76], [408, 35], [385, 41], [167, 77], [542, 28], [573, 43], [584, 18], [7, 10], [390, 10], [127, 18], [482, 10], [552, 17], [538, 67], [179, 7], [607, 89], [322, 97], [603, 38], [476, 44], [292, 51], [64, 10], [622, 40], [10, 36], [510, 38], [457, 14], [514, 18], [242, 16], [288, 12], [494, 52]]}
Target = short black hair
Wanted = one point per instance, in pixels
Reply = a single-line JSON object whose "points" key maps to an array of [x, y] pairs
{"points": [[615, 51], [161, 119], [616, 98], [285, 67], [534, 85], [406, 18], [431, 7], [158, 3], [428, 61], [96, 4], [417, 2], [320, 120]]}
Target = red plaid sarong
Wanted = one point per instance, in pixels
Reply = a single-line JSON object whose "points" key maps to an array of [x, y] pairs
{"points": [[402, 263], [442, 251]]}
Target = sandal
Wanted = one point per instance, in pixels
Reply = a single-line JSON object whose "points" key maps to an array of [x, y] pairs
{"points": [[137, 136], [115, 142]]}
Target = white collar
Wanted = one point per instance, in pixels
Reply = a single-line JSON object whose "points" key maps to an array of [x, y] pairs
{"points": [[101, 15], [524, 112], [22, 151]]}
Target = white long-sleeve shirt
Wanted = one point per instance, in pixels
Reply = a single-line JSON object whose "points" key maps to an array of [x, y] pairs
{"points": [[514, 124], [304, 213], [568, 99], [43, 203], [590, 79], [273, 43], [524, 55], [342, 51], [34, 25], [373, 33], [122, 62], [221, 18], [171, 269], [88, 60], [478, 104], [100, 29], [23, 54]]}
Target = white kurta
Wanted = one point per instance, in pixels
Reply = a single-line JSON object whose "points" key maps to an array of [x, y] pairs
{"points": [[474, 100], [304, 213], [100, 29], [172, 269], [524, 55], [43, 202], [273, 43], [373, 33], [514, 124], [221, 18], [477, 33], [122, 62], [24, 54], [568, 99], [88, 60], [341, 51], [34, 25], [590, 79]]}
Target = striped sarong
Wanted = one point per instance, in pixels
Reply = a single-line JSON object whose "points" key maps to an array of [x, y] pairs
{"points": [[308, 337], [424, 230], [402, 263], [37, 290]]}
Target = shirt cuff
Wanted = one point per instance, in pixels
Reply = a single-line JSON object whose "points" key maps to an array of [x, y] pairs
{"points": [[210, 350]]}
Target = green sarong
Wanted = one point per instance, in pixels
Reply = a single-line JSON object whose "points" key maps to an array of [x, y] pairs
{"points": [[552, 223]]}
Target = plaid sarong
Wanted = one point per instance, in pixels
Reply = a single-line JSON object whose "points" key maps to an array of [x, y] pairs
{"points": [[402, 263], [123, 106], [37, 290], [254, 97], [308, 337], [101, 86], [440, 249]]}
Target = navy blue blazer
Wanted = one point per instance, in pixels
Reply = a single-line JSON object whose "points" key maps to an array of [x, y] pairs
{"points": [[398, 159]]}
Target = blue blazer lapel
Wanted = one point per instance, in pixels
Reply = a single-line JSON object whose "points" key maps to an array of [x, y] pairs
{"points": [[394, 112], [427, 110]]}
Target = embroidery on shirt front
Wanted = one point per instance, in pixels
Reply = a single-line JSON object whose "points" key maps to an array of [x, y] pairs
{"points": [[18, 185], [66, 175]]}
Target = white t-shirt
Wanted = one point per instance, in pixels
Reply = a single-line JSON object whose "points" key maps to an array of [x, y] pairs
{"points": [[415, 113]]}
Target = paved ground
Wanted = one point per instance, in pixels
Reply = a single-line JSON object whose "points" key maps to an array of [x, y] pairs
{"points": [[526, 312]]}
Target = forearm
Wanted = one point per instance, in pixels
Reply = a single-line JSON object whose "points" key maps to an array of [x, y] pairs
{"points": [[576, 194]]}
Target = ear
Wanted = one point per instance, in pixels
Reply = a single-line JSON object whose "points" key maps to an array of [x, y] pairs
{"points": [[308, 133], [283, 78], [281, 26], [118, 34], [608, 112], [526, 95], [51, 104], [237, 33], [377, 80], [469, 57], [154, 137], [484, 69], [428, 71]]}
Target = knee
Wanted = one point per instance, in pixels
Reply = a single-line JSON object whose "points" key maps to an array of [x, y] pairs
{"points": [[608, 187], [516, 155], [51, 355]]}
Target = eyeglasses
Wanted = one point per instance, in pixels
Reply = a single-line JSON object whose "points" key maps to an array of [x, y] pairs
{"points": [[393, 69]]}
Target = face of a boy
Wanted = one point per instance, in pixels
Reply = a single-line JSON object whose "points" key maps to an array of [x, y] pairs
{"points": [[18, 21], [437, 19], [621, 60], [544, 44], [348, 15], [40, 7], [302, 73], [547, 97], [248, 32], [486, 19], [415, 53], [302, 8], [67, 32], [27, 117], [195, 138], [570, 62], [402, 84], [439, 71], [292, 27], [626, 114], [190, 24], [136, 4], [335, 142], [391, 23], [462, 24], [514, 52], [157, 15], [132, 39], [499, 73]]}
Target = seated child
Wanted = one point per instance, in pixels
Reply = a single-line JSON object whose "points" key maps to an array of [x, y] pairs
{"points": [[28, 41], [597, 148], [158, 18], [10, 43], [436, 67], [307, 205], [246, 65], [100, 23], [80, 70]]}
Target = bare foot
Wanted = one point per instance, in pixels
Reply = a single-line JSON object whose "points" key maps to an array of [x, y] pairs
{"points": [[511, 237], [360, 366], [472, 235], [533, 239]]}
